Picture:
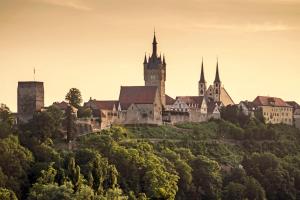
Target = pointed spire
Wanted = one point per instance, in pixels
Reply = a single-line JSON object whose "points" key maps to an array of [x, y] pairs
{"points": [[217, 78], [154, 46], [145, 59], [154, 38], [202, 79]]}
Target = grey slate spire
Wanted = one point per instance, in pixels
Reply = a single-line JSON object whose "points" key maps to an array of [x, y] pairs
{"points": [[202, 78], [217, 78]]}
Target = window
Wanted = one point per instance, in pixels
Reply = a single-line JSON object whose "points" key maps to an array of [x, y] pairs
{"points": [[152, 77]]}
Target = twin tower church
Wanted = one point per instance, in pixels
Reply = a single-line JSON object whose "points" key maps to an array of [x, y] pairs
{"points": [[149, 104], [155, 75]]}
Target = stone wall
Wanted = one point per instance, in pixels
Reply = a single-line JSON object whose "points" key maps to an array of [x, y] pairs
{"points": [[143, 114], [30, 99]]}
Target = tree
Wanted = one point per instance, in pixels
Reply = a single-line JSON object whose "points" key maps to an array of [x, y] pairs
{"points": [[70, 123], [206, 177], [234, 114], [74, 174], [6, 194], [6, 115], [15, 162], [51, 192], [57, 117], [267, 169], [44, 125], [234, 191], [74, 97], [84, 112], [6, 121], [253, 189]]}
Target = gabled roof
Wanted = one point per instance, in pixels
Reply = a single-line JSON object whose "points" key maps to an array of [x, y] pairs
{"points": [[61, 105], [249, 105], [102, 105], [137, 95], [225, 97], [169, 100], [191, 99], [270, 101], [294, 104], [211, 106]]}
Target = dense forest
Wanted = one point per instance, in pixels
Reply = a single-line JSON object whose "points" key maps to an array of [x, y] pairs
{"points": [[234, 158]]}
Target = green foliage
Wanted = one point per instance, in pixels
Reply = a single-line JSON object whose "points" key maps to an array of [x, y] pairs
{"points": [[74, 97], [42, 126], [5, 115], [210, 160], [207, 178], [6, 194], [234, 191], [268, 170], [6, 121], [51, 192], [234, 114], [84, 112], [15, 162], [70, 124]]}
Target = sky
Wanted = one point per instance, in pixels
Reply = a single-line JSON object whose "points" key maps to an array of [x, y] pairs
{"points": [[99, 45]]}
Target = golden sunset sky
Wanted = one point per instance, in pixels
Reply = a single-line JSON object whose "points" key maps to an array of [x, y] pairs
{"points": [[99, 45]]}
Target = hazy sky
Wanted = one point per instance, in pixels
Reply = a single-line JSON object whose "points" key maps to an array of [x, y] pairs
{"points": [[99, 45]]}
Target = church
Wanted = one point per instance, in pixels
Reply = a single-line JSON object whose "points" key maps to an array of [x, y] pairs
{"points": [[149, 104]]}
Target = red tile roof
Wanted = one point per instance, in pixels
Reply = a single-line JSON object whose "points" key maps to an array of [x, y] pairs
{"points": [[61, 105], [103, 105], [169, 100], [294, 104], [270, 101], [137, 95]]}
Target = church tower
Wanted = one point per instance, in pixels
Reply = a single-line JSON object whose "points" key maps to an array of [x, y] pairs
{"points": [[155, 71], [202, 83], [217, 84]]}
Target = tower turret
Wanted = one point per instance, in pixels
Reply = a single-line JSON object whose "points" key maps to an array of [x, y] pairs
{"points": [[217, 84], [154, 46], [202, 82], [155, 71]]}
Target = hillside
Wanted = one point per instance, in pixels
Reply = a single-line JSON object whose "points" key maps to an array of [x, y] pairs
{"points": [[209, 160]]}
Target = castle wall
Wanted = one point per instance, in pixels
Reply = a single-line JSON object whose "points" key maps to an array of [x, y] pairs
{"points": [[143, 114]]}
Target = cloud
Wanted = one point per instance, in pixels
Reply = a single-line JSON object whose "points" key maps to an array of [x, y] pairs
{"points": [[73, 4]]}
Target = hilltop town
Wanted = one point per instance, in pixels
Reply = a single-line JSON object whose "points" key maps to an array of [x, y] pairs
{"points": [[150, 104]]}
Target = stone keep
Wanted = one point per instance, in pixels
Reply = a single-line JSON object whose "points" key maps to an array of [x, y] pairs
{"points": [[30, 99]]}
